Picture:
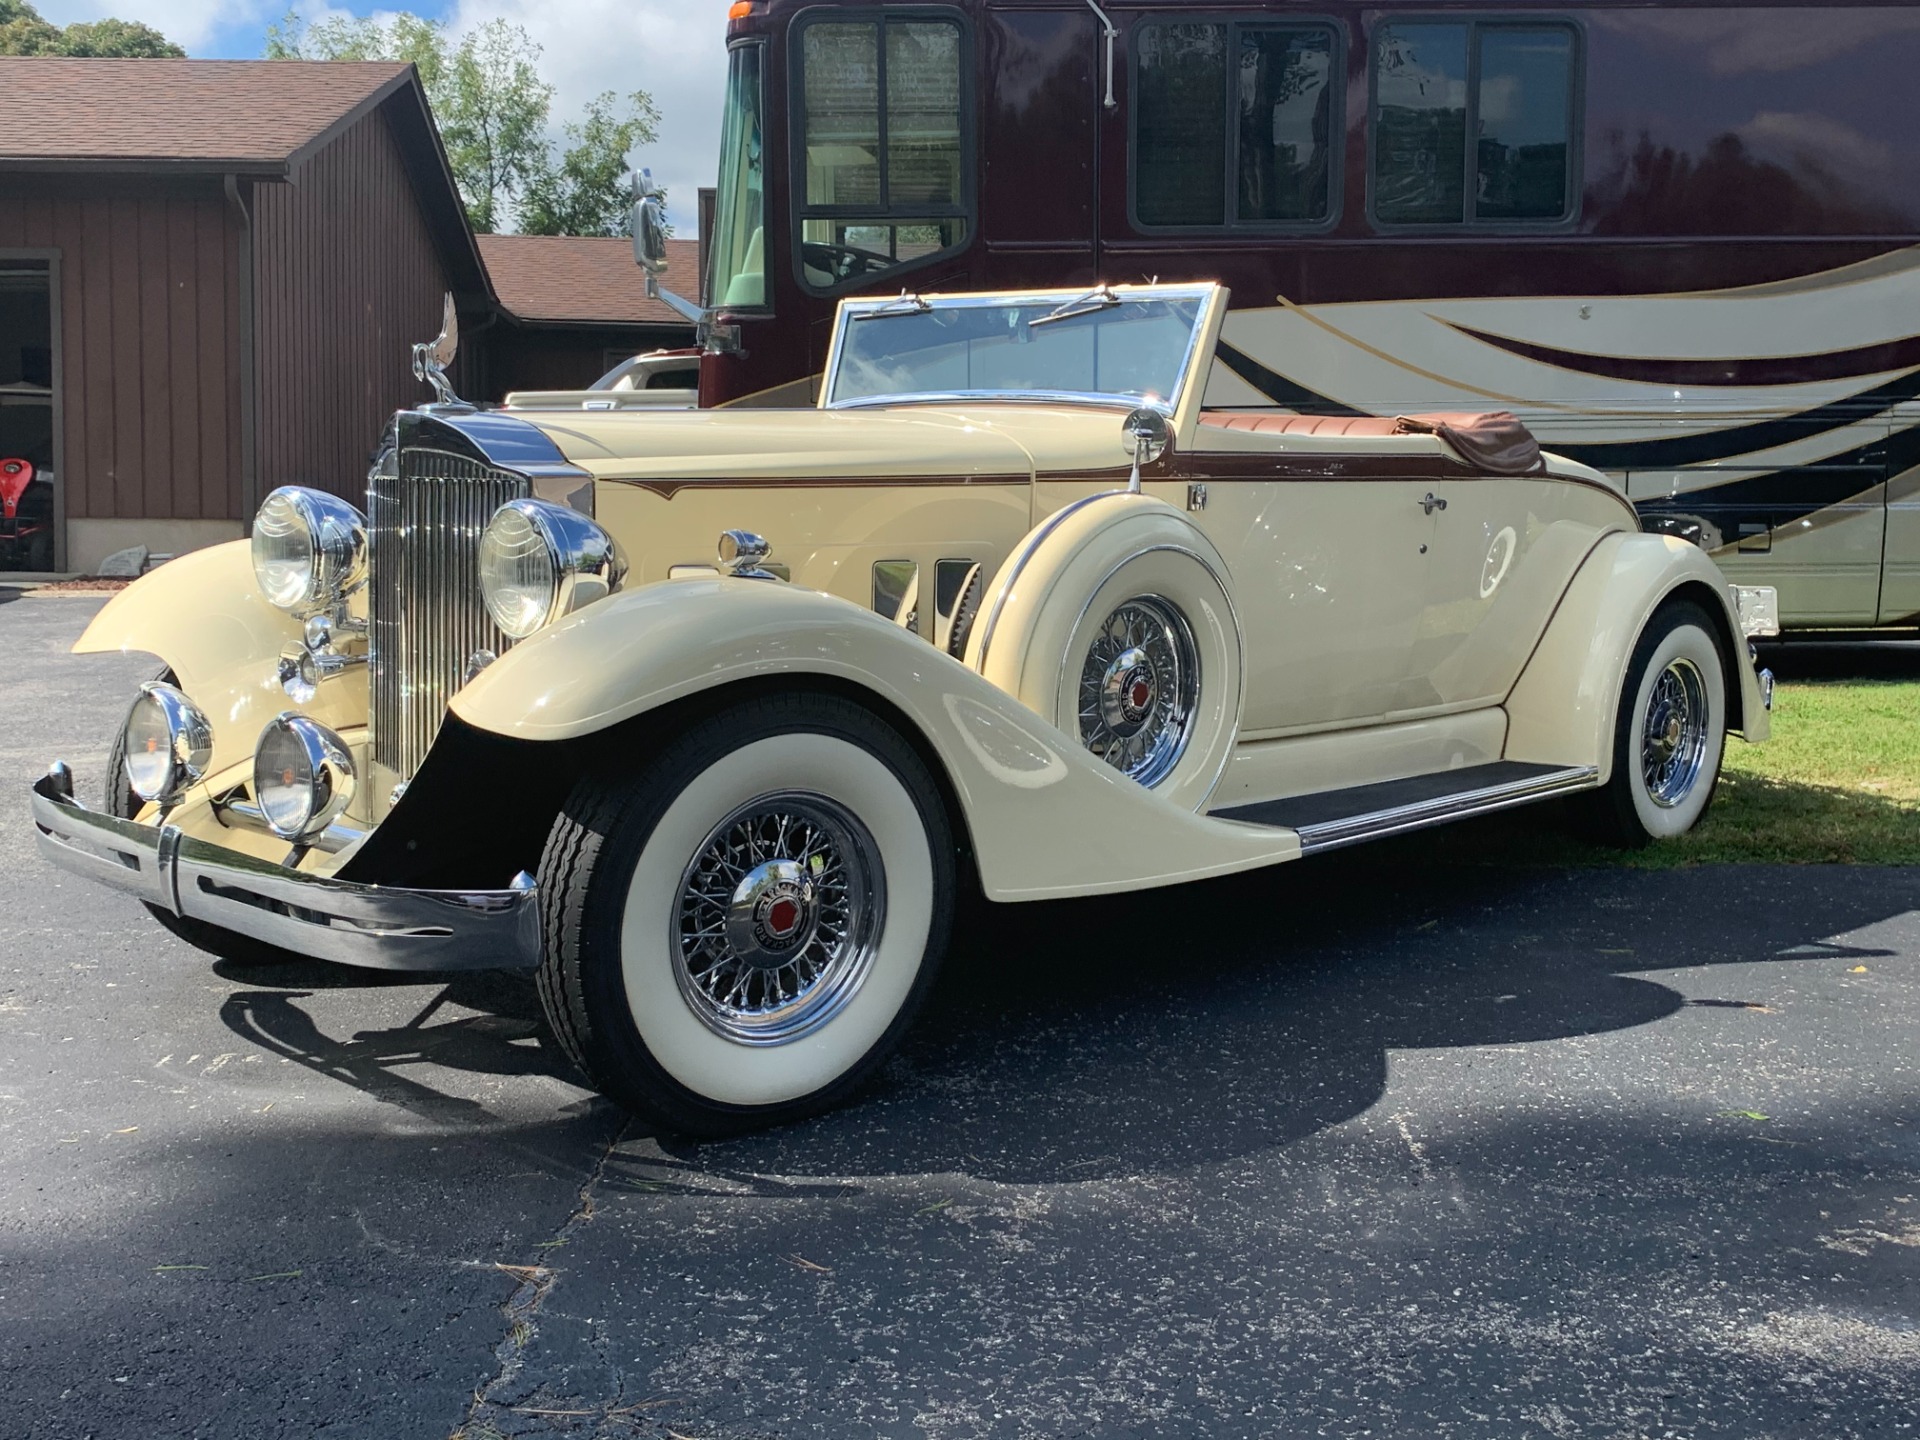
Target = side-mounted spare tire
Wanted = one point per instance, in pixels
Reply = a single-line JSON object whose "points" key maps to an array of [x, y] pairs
{"points": [[1114, 620]]}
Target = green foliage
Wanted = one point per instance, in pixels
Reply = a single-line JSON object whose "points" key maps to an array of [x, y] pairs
{"points": [[586, 193], [1839, 783], [493, 107], [23, 31]]}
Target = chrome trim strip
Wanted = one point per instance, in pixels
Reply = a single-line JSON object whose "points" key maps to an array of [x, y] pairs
{"points": [[1001, 397], [376, 926], [1353, 829]]}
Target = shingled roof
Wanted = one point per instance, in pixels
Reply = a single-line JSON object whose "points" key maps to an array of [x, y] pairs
{"points": [[241, 116], [585, 280]]}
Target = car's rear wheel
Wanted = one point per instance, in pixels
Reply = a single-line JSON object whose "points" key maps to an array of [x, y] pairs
{"points": [[1669, 734], [739, 929]]}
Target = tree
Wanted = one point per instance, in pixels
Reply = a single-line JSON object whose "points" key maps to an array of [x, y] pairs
{"points": [[493, 110], [586, 192], [23, 31]]}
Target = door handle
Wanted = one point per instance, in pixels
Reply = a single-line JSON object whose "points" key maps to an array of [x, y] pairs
{"points": [[1431, 502]]}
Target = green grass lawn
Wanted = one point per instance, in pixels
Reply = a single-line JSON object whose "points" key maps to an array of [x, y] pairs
{"points": [[1838, 782]]}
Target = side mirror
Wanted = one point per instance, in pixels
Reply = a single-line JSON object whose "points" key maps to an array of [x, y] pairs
{"points": [[1146, 432], [649, 224]]}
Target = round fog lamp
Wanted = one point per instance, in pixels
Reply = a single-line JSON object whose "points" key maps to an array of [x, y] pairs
{"points": [[302, 777], [169, 743]]}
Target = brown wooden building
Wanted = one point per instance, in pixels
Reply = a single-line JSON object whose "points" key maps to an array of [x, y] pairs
{"points": [[211, 275], [571, 307], [234, 258]]}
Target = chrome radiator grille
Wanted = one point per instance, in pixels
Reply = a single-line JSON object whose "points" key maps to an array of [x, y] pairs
{"points": [[426, 509]]}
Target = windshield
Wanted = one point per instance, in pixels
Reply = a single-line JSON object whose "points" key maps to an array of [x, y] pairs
{"points": [[739, 258], [1129, 345]]}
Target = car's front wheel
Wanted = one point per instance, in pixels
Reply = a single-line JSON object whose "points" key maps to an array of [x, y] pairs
{"points": [[739, 929], [1669, 734]]}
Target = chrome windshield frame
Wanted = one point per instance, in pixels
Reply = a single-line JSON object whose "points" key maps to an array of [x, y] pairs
{"points": [[1209, 294]]}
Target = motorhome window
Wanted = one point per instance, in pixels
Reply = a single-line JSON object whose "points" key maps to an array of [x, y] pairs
{"points": [[739, 261], [1232, 124], [1511, 87], [880, 117]]}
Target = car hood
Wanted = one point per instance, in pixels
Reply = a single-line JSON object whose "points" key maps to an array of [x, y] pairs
{"points": [[907, 441]]}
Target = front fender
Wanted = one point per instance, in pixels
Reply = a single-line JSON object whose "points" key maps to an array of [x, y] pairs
{"points": [[204, 616], [1563, 707], [1045, 817]]}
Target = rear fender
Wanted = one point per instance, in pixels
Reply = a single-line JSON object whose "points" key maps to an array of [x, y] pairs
{"points": [[206, 619], [1045, 817], [1562, 709]]}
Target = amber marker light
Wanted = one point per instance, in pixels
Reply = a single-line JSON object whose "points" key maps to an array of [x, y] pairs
{"points": [[740, 9]]}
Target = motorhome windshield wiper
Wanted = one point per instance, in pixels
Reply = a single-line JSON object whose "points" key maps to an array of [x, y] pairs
{"points": [[1101, 297], [905, 304]]}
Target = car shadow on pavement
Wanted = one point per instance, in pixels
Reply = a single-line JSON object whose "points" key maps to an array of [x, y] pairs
{"points": [[481, 1023], [1166, 1029], [1160, 1031]]}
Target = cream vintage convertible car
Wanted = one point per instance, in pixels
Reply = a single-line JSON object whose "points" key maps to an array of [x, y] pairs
{"points": [[1027, 616]]}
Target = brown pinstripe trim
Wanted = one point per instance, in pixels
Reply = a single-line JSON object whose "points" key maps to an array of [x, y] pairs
{"points": [[667, 489], [1250, 465]]}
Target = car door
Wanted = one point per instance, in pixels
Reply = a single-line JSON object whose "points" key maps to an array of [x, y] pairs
{"points": [[1328, 554], [1502, 551]]}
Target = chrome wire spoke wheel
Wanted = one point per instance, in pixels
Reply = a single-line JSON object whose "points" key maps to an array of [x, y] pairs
{"points": [[779, 917], [1139, 682], [1673, 736]]}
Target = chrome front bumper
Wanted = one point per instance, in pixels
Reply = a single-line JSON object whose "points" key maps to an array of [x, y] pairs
{"points": [[376, 926]]}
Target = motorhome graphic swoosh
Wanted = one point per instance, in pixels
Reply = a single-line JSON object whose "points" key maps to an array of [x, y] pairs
{"points": [[1671, 452], [1850, 364]]}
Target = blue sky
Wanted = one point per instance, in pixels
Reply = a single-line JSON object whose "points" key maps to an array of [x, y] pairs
{"points": [[673, 49]]}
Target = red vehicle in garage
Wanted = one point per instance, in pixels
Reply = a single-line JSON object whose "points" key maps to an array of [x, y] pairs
{"points": [[26, 517]]}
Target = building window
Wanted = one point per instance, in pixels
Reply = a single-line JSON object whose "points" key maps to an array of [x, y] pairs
{"points": [[1512, 87], [882, 152], [1234, 125]]}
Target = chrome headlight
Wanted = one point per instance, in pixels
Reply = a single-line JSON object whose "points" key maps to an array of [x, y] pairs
{"points": [[169, 743], [302, 777], [309, 548], [540, 561]]}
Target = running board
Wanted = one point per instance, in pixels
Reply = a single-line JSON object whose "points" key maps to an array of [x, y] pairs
{"points": [[1335, 818]]}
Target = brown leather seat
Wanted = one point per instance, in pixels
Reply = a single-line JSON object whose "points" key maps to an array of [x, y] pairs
{"points": [[1495, 441]]}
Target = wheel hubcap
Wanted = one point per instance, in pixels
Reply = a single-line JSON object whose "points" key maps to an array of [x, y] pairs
{"points": [[1673, 742], [1138, 686], [779, 918]]}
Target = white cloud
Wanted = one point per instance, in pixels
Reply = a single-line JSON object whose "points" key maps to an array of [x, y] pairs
{"points": [[676, 52], [1742, 40], [188, 23], [1818, 138]]}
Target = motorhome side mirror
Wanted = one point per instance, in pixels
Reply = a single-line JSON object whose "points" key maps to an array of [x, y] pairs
{"points": [[1146, 432], [649, 225]]}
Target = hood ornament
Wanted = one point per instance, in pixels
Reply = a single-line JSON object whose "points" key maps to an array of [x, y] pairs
{"points": [[431, 359]]}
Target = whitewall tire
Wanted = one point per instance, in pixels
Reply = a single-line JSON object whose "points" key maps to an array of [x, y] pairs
{"points": [[1670, 732], [739, 930], [1114, 622]]}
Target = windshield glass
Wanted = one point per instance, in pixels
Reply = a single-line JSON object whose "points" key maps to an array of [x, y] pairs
{"points": [[739, 276], [1128, 345]]}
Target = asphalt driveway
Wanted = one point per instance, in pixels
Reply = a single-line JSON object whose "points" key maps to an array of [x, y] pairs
{"points": [[1375, 1145]]}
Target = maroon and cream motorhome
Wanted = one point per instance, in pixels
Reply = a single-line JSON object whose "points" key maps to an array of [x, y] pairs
{"points": [[1681, 241]]}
